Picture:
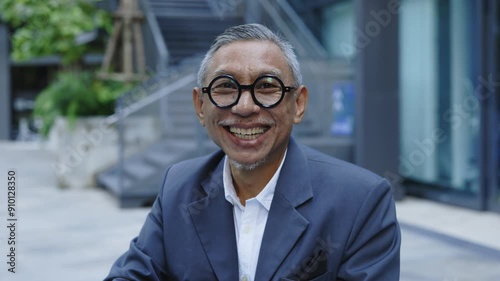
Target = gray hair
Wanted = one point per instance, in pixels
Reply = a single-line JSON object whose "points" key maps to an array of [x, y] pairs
{"points": [[249, 32]]}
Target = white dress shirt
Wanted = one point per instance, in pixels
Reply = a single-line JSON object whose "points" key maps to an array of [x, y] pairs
{"points": [[249, 220]]}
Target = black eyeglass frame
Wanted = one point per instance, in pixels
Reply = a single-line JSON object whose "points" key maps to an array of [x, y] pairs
{"points": [[284, 89]]}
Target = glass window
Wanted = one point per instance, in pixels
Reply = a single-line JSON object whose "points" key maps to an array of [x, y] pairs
{"points": [[496, 123], [463, 114], [440, 118], [338, 30], [418, 89]]}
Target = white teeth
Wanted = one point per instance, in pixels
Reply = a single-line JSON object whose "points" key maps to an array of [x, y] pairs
{"points": [[247, 133]]}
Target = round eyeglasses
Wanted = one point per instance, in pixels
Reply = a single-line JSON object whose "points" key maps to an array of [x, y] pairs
{"points": [[267, 91]]}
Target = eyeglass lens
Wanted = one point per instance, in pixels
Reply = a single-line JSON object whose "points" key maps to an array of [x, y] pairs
{"points": [[267, 91]]}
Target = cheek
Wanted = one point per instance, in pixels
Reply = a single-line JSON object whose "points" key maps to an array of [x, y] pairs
{"points": [[207, 111], [211, 116], [284, 121], [289, 112]]}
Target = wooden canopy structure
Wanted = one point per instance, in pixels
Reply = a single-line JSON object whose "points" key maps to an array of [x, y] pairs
{"points": [[126, 41]]}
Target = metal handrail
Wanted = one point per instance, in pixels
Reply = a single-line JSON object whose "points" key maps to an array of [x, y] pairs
{"points": [[125, 110], [159, 42], [157, 58], [304, 30], [213, 6], [303, 51]]}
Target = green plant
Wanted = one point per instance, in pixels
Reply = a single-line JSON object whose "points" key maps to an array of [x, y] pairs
{"points": [[74, 94], [51, 27]]}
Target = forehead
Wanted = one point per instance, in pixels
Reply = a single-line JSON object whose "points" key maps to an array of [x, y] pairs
{"points": [[249, 59]]}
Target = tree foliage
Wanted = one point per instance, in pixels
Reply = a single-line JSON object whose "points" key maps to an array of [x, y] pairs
{"points": [[51, 27], [77, 94]]}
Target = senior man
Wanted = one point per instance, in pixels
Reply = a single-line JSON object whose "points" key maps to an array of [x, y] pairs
{"points": [[263, 207]]}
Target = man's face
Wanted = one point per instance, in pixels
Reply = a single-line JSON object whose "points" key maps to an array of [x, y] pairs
{"points": [[247, 133]]}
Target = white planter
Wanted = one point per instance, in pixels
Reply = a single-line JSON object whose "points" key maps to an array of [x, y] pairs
{"points": [[91, 146]]}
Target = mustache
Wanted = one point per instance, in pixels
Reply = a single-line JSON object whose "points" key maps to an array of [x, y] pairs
{"points": [[232, 122]]}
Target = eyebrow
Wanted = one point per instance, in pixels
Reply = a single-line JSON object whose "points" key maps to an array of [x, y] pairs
{"points": [[273, 72]]}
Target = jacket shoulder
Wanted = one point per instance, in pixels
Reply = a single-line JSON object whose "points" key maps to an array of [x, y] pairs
{"points": [[342, 174], [189, 174]]}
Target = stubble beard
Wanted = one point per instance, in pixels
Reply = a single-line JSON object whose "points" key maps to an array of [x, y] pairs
{"points": [[247, 167]]}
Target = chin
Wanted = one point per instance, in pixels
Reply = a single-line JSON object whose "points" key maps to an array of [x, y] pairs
{"points": [[247, 166]]}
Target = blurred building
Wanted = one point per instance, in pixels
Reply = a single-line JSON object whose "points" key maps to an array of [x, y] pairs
{"points": [[406, 88], [448, 78]]}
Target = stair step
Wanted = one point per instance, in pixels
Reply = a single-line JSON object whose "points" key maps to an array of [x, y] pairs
{"points": [[110, 181], [183, 109], [180, 105], [180, 43], [183, 122], [180, 8], [138, 169], [183, 13], [180, 54], [200, 24], [183, 95], [172, 154], [159, 160], [182, 4], [178, 2], [182, 132]]}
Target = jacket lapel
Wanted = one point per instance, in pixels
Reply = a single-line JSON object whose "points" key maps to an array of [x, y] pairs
{"points": [[214, 222], [285, 224]]}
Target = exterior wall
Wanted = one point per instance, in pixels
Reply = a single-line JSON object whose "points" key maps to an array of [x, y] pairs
{"points": [[377, 87], [5, 104]]}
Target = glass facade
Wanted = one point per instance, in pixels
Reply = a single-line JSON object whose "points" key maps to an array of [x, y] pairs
{"points": [[440, 113], [496, 181], [338, 30], [494, 67], [449, 133]]}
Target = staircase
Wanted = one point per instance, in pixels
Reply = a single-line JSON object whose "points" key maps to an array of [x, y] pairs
{"points": [[188, 28]]}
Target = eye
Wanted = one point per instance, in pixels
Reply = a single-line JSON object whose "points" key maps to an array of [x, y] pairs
{"points": [[267, 85], [224, 84], [227, 85]]}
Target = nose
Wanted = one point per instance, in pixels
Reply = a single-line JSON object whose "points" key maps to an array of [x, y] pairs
{"points": [[245, 106]]}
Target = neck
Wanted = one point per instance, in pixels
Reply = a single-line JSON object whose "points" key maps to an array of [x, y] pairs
{"points": [[249, 183]]}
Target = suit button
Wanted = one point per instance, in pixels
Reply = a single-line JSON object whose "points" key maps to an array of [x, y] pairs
{"points": [[244, 278]]}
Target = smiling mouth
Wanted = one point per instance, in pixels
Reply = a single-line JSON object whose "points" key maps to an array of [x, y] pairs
{"points": [[247, 134]]}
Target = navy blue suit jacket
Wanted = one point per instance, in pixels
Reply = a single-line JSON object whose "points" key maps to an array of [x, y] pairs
{"points": [[329, 220]]}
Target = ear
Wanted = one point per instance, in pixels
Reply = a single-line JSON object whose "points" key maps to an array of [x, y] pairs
{"points": [[300, 104], [198, 105]]}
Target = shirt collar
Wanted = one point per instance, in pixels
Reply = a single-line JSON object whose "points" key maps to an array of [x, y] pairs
{"points": [[265, 197]]}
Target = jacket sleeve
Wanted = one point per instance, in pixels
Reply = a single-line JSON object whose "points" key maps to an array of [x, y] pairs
{"points": [[373, 247], [145, 259]]}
